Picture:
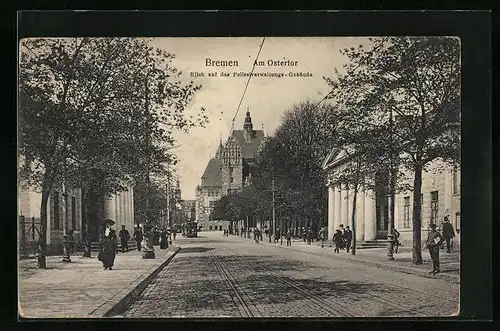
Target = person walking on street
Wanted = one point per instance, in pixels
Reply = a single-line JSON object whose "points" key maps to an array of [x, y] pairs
{"points": [[337, 240], [260, 234], [163, 239], [174, 232], [322, 236], [289, 237], [348, 238], [256, 235], [309, 235], [124, 238], [448, 234], [304, 234], [138, 237], [108, 245], [396, 239], [434, 240], [71, 242]]}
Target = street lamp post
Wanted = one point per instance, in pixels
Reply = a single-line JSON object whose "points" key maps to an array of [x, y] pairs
{"points": [[66, 255], [148, 251], [271, 230], [390, 234]]}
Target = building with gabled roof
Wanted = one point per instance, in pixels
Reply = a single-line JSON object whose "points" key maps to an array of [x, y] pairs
{"points": [[229, 171]]}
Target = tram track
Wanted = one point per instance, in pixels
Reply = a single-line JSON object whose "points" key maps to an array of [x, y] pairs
{"points": [[350, 311], [443, 298], [237, 293], [335, 309]]}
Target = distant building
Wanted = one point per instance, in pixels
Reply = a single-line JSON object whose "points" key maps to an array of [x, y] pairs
{"points": [[229, 171]]}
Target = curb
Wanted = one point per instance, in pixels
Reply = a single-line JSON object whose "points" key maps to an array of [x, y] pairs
{"points": [[120, 301], [413, 271]]}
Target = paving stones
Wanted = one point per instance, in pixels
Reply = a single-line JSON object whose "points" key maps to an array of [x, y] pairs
{"points": [[230, 277]]}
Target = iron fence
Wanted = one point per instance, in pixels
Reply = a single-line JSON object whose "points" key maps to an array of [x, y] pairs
{"points": [[29, 234]]}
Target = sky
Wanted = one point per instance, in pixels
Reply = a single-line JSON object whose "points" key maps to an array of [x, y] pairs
{"points": [[267, 98]]}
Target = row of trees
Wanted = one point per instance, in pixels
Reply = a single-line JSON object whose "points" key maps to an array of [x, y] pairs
{"points": [[97, 114], [394, 110], [292, 158], [398, 106]]}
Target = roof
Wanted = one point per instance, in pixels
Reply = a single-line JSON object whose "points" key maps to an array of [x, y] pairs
{"points": [[338, 156], [211, 176], [249, 149]]}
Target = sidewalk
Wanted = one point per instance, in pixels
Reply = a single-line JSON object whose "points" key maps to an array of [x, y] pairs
{"points": [[82, 288], [403, 261]]}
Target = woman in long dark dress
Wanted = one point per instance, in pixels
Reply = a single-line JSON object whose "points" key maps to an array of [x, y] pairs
{"points": [[108, 245], [163, 239]]}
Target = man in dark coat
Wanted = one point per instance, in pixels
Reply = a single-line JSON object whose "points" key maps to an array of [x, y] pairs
{"points": [[434, 240], [124, 238], [163, 239], [138, 237], [108, 245], [337, 240], [448, 233], [348, 238]]}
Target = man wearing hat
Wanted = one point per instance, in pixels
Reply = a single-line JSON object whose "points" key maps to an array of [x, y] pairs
{"points": [[434, 240], [108, 245], [124, 238], [448, 233]]}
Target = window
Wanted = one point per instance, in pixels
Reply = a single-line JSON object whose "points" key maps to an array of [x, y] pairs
{"points": [[211, 205], [57, 223], [406, 213], [434, 207], [73, 213], [454, 180], [210, 227], [220, 227]]}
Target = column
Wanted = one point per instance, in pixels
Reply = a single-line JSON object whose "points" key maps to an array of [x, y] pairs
{"points": [[118, 209], [129, 215], [360, 215], [123, 207], [331, 210], [109, 208], [131, 204], [338, 205], [397, 217], [345, 205], [370, 225]]}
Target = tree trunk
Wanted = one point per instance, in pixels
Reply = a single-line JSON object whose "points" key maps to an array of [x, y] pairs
{"points": [[86, 224], [417, 215], [353, 219], [42, 240]]}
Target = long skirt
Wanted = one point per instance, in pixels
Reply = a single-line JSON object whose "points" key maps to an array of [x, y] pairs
{"points": [[163, 242], [108, 256]]}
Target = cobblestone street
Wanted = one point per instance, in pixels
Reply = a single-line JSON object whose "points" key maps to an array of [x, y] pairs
{"points": [[214, 276]]}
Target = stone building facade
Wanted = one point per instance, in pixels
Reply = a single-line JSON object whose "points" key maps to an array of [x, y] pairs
{"points": [[62, 211], [440, 197], [68, 212], [227, 172]]}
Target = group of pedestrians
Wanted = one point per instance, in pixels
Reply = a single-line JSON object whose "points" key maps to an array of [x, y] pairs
{"points": [[435, 241], [342, 239], [109, 241]]}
